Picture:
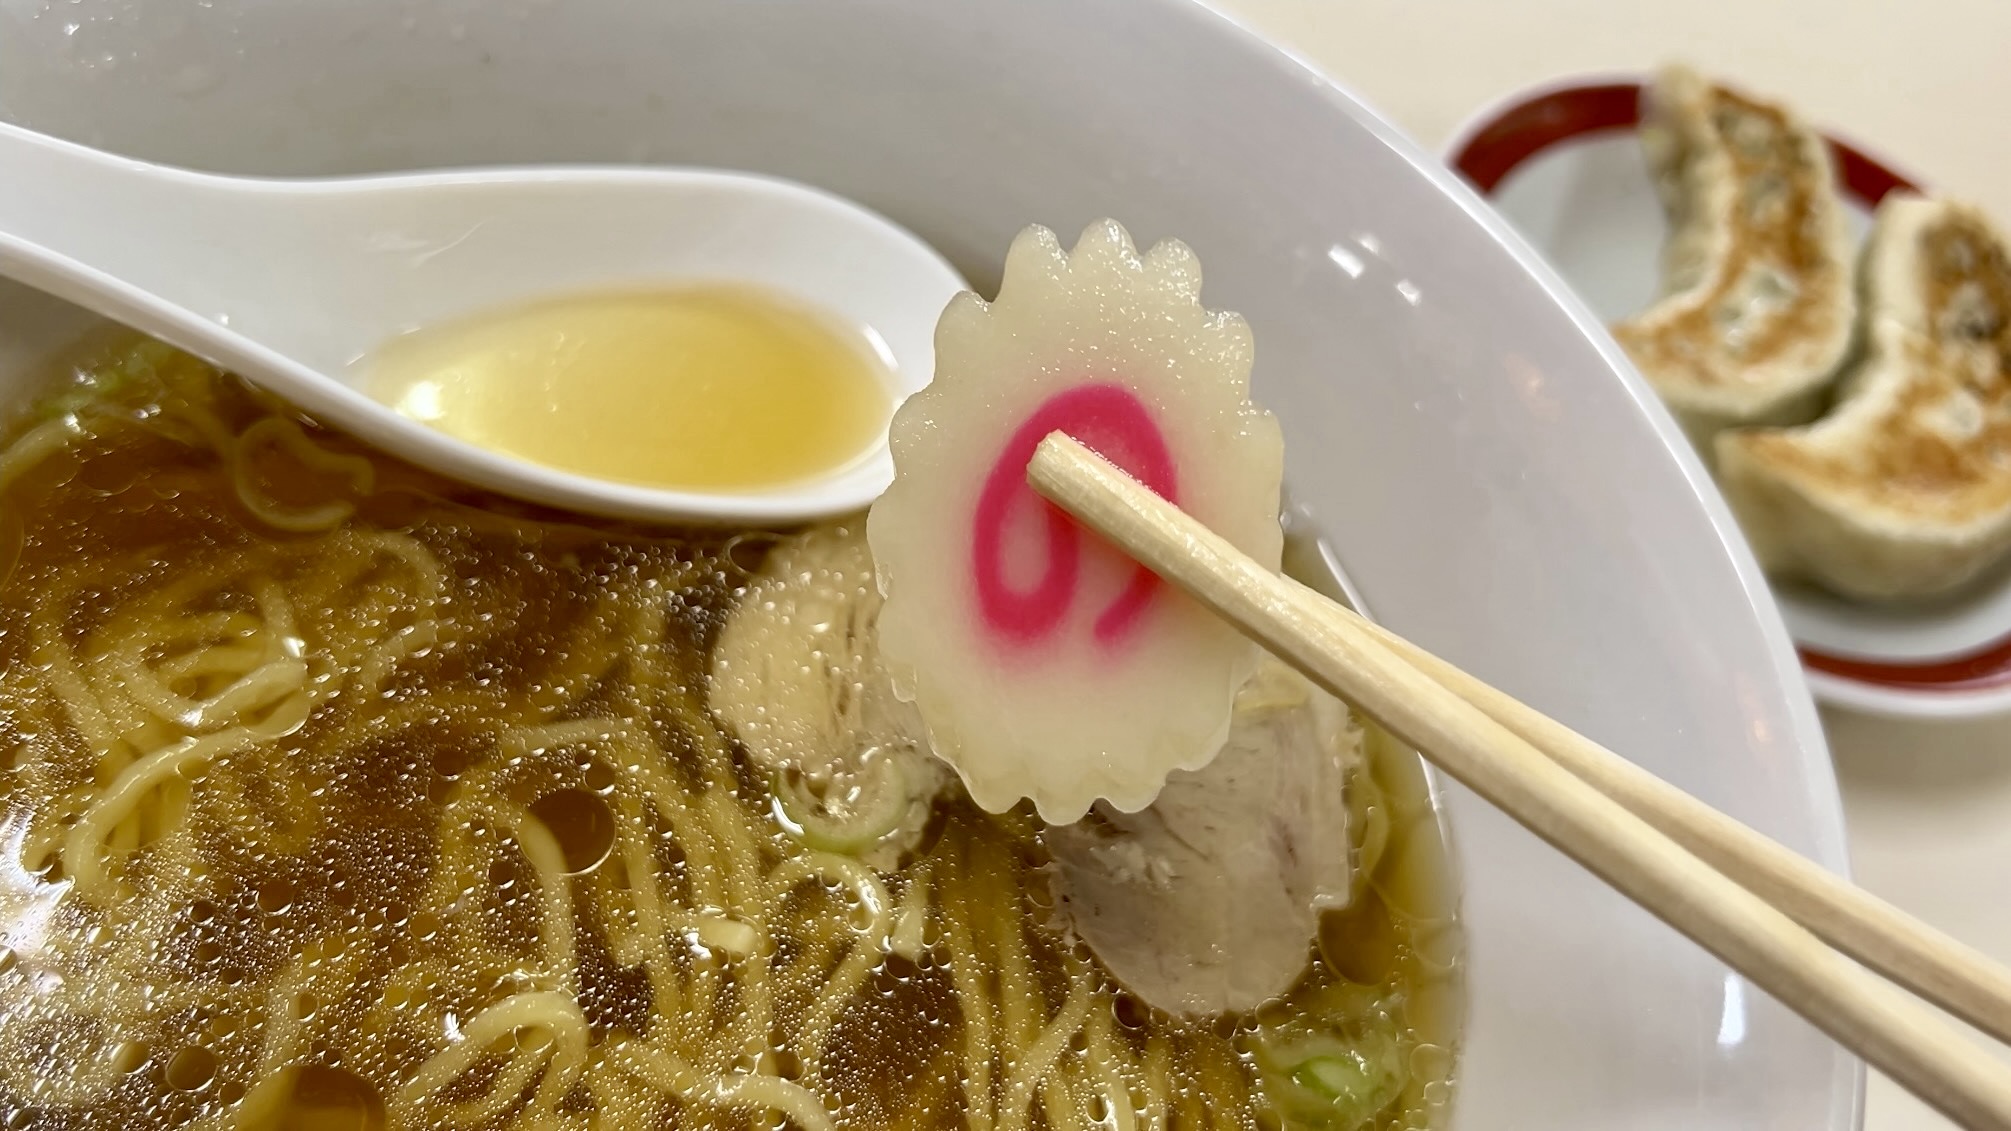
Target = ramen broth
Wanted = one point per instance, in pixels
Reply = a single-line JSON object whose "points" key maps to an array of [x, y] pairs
{"points": [[720, 387], [337, 795]]}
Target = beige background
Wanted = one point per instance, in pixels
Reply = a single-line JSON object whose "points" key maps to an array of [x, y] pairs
{"points": [[1926, 83]]}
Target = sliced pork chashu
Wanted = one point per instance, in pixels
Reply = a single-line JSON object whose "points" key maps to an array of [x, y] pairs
{"points": [[1208, 900], [797, 679], [1904, 489], [1757, 306]]}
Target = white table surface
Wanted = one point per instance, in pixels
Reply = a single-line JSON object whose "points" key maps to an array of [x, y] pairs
{"points": [[1926, 83]]}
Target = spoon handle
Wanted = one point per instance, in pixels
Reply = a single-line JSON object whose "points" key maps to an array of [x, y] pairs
{"points": [[121, 237]]}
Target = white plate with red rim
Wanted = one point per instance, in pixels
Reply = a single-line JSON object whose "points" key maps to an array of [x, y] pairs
{"points": [[1562, 163]]}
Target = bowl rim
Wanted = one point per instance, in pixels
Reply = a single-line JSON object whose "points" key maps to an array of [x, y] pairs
{"points": [[1817, 769], [1445, 174]]}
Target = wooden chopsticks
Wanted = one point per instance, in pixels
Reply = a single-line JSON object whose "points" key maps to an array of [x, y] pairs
{"points": [[1946, 972], [1672, 854]]}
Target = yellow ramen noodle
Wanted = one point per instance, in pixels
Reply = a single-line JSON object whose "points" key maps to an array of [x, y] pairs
{"points": [[336, 795]]}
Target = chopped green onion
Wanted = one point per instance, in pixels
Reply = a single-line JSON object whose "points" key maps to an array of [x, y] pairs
{"points": [[1345, 1079], [1331, 1080]]}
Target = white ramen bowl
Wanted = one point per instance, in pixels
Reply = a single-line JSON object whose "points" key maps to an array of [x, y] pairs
{"points": [[1496, 483]]}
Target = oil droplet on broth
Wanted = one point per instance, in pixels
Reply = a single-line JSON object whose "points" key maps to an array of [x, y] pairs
{"points": [[724, 387], [191, 1069], [312, 1097], [582, 825]]}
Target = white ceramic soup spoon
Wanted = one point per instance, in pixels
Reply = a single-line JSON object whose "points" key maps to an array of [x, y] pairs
{"points": [[289, 282]]}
